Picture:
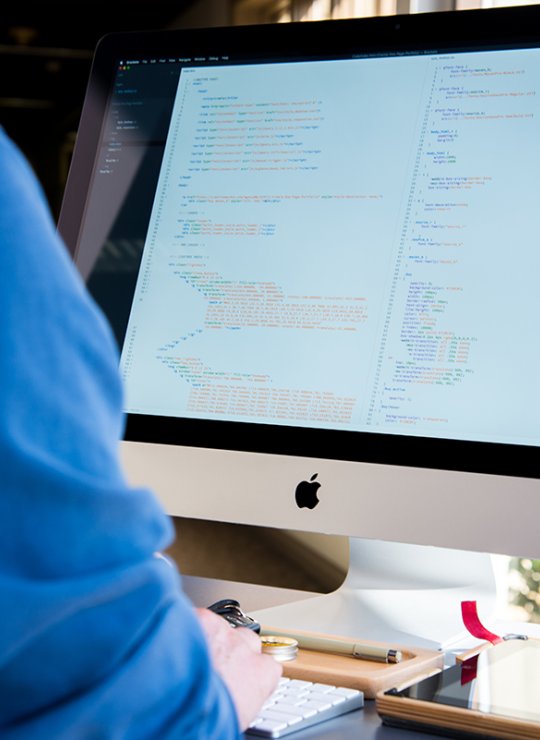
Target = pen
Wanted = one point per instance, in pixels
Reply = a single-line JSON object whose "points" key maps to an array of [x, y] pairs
{"points": [[379, 653]]}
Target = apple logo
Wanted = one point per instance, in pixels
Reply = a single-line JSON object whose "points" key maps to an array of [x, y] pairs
{"points": [[306, 493]]}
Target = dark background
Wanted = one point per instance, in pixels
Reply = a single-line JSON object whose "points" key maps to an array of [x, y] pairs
{"points": [[45, 58]]}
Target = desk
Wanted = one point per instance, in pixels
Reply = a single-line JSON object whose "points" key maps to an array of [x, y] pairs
{"points": [[364, 724]]}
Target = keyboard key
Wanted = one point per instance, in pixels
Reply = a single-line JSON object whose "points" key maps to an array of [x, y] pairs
{"points": [[268, 727], [297, 704], [317, 706], [323, 687], [280, 706], [322, 697], [281, 716]]}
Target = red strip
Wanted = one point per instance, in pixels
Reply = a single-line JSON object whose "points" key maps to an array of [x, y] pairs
{"points": [[468, 670], [474, 625]]}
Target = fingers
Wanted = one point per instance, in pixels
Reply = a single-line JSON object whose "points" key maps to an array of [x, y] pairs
{"points": [[250, 675], [215, 626]]}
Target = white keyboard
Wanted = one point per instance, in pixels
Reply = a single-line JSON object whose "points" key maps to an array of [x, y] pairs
{"points": [[295, 705]]}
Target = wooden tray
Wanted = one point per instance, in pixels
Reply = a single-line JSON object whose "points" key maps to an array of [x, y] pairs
{"points": [[367, 675]]}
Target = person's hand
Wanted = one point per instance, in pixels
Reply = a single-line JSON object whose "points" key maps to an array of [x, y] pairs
{"points": [[236, 655]]}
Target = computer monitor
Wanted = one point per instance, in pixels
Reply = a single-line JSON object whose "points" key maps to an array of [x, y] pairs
{"points": [[317, 245]]}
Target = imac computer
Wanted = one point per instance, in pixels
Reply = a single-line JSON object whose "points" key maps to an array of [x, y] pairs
{"points": [[318, 247]]}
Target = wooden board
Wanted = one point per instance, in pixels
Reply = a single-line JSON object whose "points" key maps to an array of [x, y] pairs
{"points": [[367, 675], [422, 714]]}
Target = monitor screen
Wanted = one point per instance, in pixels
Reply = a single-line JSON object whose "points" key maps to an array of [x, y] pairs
{"points": [[316, 244], [340, 244]]}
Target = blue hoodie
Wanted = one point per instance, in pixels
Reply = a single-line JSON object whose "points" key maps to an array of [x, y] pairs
{"points": [[97, 639]]}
